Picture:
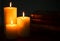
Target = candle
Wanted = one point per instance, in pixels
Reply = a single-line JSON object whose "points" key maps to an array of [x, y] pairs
{"points": [[10, 13], [25, 19], [24, 22], [11, 30], [20, 24]]}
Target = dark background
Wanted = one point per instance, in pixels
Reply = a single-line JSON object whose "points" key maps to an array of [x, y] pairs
{"points": [[28, 6]]}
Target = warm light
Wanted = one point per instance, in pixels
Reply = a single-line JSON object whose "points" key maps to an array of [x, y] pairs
{"points": [[11, 22], [32, 15], [10, 4], [23, 14]]}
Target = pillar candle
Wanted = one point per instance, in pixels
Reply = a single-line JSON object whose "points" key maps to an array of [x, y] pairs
{"points": [[24, 22], [10, 13], [11, 30]]}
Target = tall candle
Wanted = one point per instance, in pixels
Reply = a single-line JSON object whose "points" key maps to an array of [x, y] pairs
{"points": [[24, 22], [10, 13], [10, 19]]}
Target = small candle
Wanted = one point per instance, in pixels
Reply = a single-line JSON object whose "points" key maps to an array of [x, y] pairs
{"points": [[24, 22], [24, 19], [11, 30], [10, 13]]}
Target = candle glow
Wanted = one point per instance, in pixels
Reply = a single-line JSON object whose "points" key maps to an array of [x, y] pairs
{"points": [[11, 22], [10, 4], [14, 25], [23, 14]]}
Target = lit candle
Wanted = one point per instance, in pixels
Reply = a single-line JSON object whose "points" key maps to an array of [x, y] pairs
{"points": [[11, 30], [25, 19], [10, 13], [24, 22]]}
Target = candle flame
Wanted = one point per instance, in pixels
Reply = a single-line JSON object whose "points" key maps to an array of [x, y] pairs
{"points": [[11, 22], [23, 14], [10, 4]]}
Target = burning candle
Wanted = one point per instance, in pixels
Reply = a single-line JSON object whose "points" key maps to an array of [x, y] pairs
{"points": [[11, 30], [25, 19], [10, 13], [24, 22]]}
